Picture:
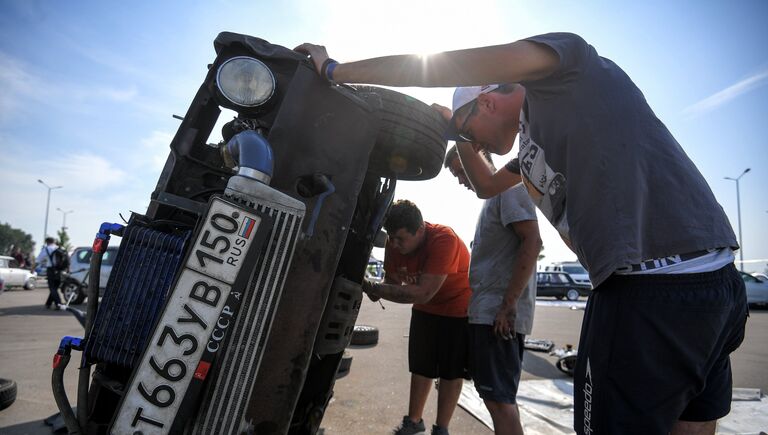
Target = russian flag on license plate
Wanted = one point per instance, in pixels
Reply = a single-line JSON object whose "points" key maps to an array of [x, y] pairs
{"points": [[247, 227]]}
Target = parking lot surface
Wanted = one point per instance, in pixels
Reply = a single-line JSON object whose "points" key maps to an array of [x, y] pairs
{"points": [[371, 399]]}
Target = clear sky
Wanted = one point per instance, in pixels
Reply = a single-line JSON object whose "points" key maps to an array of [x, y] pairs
{"points": [[87, 89]]}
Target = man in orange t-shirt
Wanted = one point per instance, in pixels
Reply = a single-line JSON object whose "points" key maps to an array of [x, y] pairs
{"points": [[427, 265]]}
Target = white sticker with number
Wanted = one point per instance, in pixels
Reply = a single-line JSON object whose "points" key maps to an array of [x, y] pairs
{"points": [[196, 305]]}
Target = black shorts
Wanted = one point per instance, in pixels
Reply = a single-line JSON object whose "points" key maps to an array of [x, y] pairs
{"points": [[495, 364], [438, 346], [654, 349]]}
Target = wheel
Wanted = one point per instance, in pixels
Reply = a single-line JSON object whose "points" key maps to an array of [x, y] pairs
{"points": [[30, 283], [410, 144], [572, 295], [365, 335], [567, 364], [344, 366], [7, 393], [71, 287]]}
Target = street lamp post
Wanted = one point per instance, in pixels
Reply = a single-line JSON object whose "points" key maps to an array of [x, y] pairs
{"points": [[738, 213], [47, 206], [64, 220]]}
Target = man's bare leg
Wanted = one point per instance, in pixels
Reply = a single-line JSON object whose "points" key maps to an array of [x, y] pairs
{"points": [[448, 393], [694, 427], [420, 387], [506, 418]]}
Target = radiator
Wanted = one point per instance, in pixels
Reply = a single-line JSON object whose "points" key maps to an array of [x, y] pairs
{"points": [[144, 270]]}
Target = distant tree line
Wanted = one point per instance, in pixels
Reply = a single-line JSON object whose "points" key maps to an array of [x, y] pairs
{"points": [[14, 238]]}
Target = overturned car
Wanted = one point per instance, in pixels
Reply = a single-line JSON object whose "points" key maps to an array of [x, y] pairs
{"points": [[232, 298]]}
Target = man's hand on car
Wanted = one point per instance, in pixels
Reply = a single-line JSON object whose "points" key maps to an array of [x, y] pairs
{"points": [[369, 288], [444, 111], [317, 54]]}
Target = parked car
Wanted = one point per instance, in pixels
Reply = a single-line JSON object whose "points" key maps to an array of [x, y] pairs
{"points": [[573, 268], [757, 289], [560, 285], [80, 262], [14, 276]]}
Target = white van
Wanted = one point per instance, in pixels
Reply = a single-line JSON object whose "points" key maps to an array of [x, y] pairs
{"points": [[572, 268]]}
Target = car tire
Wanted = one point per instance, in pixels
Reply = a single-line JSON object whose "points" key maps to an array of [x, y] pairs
{"points": [[7, 393], [345, 365], [30, 284], [410, 143], [69, 287], [572, 295], [364, 335], [567, 364]]}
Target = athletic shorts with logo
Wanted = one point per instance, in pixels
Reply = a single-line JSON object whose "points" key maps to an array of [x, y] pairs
{"points": [[495, 363], [655, 349]]}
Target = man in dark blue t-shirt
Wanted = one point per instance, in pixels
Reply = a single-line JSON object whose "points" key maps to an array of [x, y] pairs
{"points": [[624, 196]]}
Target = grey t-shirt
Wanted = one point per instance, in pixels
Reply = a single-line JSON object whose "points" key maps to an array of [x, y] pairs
{"points": [[493, 253], [605, 171]]}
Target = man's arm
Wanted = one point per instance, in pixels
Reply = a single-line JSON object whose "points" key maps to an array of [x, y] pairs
{"points": [[419, 293], [522, 268], [485, 182], [42, 257], [508, 63]]}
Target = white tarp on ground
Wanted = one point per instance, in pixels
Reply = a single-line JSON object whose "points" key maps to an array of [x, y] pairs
{"points": [[546, 407]]}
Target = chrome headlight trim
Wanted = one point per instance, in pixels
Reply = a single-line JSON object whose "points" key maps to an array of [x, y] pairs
{"points": [[245, 81]]}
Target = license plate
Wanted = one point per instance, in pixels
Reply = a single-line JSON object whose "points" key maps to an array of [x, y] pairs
{"points": [[200, 307]]}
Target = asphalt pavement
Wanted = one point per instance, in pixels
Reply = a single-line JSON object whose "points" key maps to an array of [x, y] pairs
{"points": [[371, 399]]}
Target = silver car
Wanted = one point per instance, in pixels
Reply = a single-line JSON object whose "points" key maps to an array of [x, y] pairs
{"points": [[14, 276], [757, 289], [80, 262]]}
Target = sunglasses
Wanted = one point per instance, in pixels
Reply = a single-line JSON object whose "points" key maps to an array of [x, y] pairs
{"points": [[462, 133]]}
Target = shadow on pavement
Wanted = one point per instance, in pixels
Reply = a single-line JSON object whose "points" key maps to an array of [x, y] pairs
{"points": [[37, 427], [33, 310], [541, 367]]}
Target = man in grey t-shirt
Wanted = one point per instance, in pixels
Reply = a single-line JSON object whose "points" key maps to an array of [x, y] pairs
{"points": [[501, 276], [620, 190]]}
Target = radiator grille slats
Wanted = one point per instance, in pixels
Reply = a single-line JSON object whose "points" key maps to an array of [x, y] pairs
{"points": [[223, 408], [144, 270]]}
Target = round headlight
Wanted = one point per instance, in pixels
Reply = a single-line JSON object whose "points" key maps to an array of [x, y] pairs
{"points": [[245, 81]]}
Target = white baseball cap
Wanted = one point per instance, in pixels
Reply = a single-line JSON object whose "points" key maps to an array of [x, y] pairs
{"points": [[461, 97]]}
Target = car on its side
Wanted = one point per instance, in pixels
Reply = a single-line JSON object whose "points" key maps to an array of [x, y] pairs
{"points": [[560, 285], [757, 289], [14, 276], [573, 268]]}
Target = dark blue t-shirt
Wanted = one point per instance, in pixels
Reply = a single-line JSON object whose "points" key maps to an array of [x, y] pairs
{"points": [[605, 170]]}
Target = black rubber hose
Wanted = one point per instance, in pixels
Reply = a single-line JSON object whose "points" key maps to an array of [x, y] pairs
{"points": [[84, 378], [60, 395]]}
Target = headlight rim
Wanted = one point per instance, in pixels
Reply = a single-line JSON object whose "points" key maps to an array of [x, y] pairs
{"points": [[273, 82]]}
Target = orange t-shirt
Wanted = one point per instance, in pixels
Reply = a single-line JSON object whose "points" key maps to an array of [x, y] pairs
{"points": [[441, 253]]}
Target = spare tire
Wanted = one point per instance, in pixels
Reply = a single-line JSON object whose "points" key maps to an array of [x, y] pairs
{"points": [[363, 335], [345, 365], [7, 393], [410, 143]]}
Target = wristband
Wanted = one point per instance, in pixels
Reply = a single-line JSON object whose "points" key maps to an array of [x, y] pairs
{"points": [[329, 71], [326, 70]]}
